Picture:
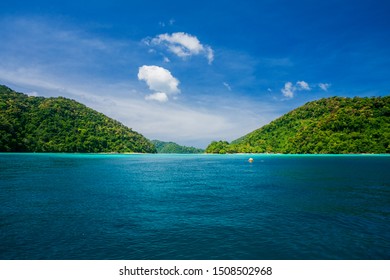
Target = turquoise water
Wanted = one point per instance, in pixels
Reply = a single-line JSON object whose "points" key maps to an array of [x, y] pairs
{"points": [[69, 206]]}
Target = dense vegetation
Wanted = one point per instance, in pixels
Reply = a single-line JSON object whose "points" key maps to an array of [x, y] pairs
{"points": [[38, 124], [330, 125], [173, 148]]}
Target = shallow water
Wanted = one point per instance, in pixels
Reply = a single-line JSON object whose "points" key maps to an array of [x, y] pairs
{"points": [[75, 206]]}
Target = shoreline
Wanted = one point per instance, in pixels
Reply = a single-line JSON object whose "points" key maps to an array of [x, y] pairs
{"points": [[201, 154]]}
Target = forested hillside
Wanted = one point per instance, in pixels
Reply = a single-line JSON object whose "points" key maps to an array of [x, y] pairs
{"points": [[173, 148], [330, 125], [38, 124]]}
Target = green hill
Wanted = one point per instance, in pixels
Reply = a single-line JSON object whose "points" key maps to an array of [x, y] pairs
{"points": [[331, 125], [38, 124], [173, 148]]}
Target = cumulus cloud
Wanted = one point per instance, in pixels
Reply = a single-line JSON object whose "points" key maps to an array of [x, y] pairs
{"points": [[302, 85], [289, 88], [183, 45], [324, 86], [159, 80]]}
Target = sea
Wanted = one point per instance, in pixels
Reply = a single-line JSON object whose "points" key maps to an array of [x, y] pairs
{"points": [[194, 207]]}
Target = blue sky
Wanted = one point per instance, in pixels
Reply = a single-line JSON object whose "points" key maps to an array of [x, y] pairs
{"points": [[195, 71]]}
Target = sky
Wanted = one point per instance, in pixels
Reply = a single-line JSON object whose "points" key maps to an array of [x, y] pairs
{"points": [[195, 71]]}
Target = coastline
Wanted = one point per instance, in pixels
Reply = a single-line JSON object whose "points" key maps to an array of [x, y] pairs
{"points": [[182, 154]]}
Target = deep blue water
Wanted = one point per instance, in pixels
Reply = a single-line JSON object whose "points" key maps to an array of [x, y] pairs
{"points": [[69, 206]]}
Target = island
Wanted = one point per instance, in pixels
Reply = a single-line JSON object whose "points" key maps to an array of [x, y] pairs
{"points": [[174, 148], [39, 124], [336, 125]]}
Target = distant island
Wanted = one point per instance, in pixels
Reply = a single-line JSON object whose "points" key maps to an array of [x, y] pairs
{"points": [[336, 125], [38, 124], [173, 148]]}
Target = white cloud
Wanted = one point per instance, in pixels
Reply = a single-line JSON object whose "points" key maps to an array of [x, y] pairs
{"points": [[160, 80], [302, 85], [289, 89], [324, 86], [180, 43], [158, 96], [209, 54], [183, 45]]}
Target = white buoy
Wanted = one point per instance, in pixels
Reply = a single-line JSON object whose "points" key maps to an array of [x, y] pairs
{"points": [[250, 160]]}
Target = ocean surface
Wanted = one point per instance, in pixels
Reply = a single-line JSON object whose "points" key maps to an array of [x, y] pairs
{"points": [[78, 206]]}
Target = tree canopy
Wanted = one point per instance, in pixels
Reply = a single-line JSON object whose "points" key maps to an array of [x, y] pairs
{"points": [[336, 125], [173, 148], [38, 124]]}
